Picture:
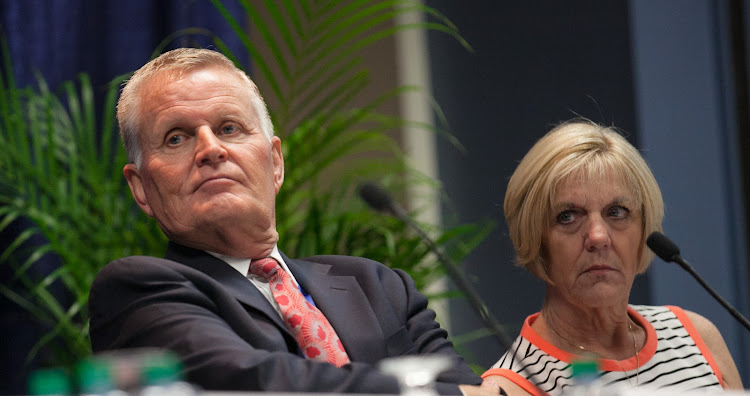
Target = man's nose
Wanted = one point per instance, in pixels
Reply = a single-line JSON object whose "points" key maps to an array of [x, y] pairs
{"points": [[597, 234], [209, 148]]}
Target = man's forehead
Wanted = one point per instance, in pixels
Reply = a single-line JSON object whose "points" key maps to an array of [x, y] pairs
{"points": [[166, 77], [203, 84]]}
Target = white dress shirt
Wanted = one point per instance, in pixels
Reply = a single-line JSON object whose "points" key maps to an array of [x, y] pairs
{"points": [[243, 266]]}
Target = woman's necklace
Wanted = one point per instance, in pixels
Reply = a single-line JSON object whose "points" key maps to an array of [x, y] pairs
{"points": [[635, 349]]}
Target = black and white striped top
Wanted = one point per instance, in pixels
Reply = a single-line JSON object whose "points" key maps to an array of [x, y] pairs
{"points": [[673, 356]]}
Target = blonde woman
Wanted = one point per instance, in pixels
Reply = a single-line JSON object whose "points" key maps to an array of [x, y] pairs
{"points": [[579, 208]]}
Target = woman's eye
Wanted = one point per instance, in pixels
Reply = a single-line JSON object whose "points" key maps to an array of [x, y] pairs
{"points": [[565, 217], [618, 212]]}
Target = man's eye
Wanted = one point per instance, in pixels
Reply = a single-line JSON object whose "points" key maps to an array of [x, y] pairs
{"points": [[175, 140], [229, 129], [565, 217]]}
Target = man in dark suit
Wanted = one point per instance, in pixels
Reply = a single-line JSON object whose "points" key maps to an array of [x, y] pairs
{"points": [[203, 161]]}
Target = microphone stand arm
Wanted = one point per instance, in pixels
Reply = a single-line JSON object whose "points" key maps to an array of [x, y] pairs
{"points": [[737, 315], [459, 279]]}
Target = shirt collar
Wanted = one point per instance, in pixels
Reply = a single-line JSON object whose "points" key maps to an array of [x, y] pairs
{"points": [[243, 264]]}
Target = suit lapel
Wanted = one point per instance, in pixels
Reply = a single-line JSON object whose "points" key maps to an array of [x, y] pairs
{"points": [[340, 298], [344, 304], [228, 277]]}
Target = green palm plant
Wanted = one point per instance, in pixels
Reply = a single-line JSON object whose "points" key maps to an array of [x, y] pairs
{"points": [[308, 55], [63, 167], [62, 171]]}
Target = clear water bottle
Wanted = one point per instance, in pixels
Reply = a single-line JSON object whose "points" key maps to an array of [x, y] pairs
{"points": [[416, 374]]}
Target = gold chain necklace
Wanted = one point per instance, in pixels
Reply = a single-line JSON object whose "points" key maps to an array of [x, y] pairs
{"points": [[635, 349]]}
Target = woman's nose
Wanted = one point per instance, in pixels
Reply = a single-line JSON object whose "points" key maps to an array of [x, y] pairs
{"points": [[208, 147], [597, 234]]}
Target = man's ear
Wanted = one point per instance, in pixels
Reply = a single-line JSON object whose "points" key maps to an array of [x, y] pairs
{"points": [[135, 182], [278, 163]]}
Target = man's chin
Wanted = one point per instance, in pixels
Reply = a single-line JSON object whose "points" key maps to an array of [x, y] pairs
{"points": [[233, 244]]}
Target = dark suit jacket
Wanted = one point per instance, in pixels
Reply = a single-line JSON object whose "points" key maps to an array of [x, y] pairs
{"points": [[230, 338]]}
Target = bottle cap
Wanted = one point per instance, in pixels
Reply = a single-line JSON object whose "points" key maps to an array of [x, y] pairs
{"points": [[52, 381], [94, 376], [160, 369], [585, 367]]}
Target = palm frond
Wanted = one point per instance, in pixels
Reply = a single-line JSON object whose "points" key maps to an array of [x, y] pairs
{"points": [[63, 175], [309, 53]]}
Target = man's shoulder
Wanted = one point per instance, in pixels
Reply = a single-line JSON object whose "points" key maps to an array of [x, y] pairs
{"points": [[137, 276], [333, 259], [359, 267], [342, 263], [138, 263], [141, 267]]}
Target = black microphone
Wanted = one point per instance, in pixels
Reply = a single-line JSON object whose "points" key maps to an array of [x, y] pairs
{"points": [[669, 252], [379, 200]]}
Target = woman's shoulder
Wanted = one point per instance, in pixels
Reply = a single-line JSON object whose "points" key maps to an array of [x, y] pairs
{"points": [[714, 342], [702, 325], [649, 309], [695, 324], [717, 346]]}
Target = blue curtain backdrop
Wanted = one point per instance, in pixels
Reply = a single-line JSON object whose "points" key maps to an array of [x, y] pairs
{"points": [[58, 39], [104, 38]]}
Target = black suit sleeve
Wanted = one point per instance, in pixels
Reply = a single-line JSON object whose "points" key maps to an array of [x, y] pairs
{"points": [[146, 302], [418, 333], [429, 337]]}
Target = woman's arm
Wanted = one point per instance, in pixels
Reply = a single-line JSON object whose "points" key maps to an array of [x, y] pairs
{"points": [[509, 387], [718, 348]]}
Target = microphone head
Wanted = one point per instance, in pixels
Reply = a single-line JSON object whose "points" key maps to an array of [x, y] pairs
{"points": [[663, 247], [376, 197]]}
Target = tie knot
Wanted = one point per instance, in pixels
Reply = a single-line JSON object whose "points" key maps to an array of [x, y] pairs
{"points": [[265, 267]]}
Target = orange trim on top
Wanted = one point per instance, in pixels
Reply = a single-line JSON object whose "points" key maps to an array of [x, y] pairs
{"points": [[530, 334], [644, 355], [682, 316], [516, 379]]}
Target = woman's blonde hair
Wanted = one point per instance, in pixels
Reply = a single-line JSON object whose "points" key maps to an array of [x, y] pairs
{"points": [[577, 147]]}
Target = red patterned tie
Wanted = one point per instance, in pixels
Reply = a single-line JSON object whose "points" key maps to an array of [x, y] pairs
{"points": [[309, 326]]}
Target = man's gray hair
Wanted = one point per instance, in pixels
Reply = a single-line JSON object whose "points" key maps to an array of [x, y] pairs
{"points": [[178, 63]]}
